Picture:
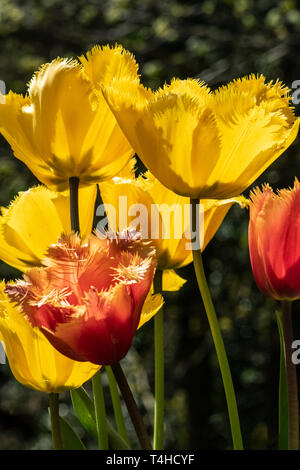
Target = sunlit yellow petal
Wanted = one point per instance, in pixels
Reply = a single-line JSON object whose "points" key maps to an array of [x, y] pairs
{"points": [[172, 281], [155, 211], [16, 124], [195, 89], [215, 211], [36, 219], [203, 144], [152, 305], [169, 223], [168, 131], [256, 126], [32, 359], [128, 172], [161, 215], [64, 128], [103, 64]]}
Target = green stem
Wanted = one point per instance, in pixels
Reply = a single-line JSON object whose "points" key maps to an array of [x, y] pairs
{"points": [[291, 378], [74, 210], [132, 408], [100, 413], [54, 417], [216, 334], [158, 439], [283, 420], [116, 404]]}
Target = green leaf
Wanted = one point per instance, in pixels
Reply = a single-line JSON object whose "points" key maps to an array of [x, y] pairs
{"points": [[283, 395], [84, 409], [70, 440]]}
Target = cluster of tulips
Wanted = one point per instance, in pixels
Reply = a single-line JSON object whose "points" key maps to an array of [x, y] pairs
{"points": [[84, 293]]}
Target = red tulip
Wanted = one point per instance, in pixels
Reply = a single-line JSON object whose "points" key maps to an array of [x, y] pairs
{"points": [[274, 241], [87, 299]]}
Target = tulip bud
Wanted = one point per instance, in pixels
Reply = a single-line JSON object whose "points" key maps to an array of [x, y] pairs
{"points": [[274, 241]]}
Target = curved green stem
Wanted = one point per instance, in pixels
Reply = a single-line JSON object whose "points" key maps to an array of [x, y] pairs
{"points": [[216, 334], [54, 417], [158, 439], [291, 378], [282, 395], [100, 413], [116, 404]]}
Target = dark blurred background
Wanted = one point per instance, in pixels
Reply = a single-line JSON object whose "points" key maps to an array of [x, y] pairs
{"points": [[215, 40]]}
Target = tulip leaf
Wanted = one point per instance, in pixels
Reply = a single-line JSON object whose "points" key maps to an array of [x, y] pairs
{"points": [[84, 409], [70, 439], [283, 395], [85, 412]]}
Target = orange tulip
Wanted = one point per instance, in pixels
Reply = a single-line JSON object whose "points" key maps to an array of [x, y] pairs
{"points": [[274, 241], [88, 298]]}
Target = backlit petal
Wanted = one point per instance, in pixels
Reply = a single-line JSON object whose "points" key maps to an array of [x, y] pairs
{"points": [[274, 238], [64, 128], [36, 219], [33, 361], [161, 216], [88, 301], [103, 64], [172, 282], [203, 144]]}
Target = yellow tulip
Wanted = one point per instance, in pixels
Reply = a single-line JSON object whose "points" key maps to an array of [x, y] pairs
{"points": [[160, 215], [204, 144], [34, 362], [36, 219], [63, 128], [33, 221]]}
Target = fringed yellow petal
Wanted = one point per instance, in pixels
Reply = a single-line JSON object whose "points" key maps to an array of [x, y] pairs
{"points": [[36, 219], [169, 223], [172, 282], [65, 127], [203, 144], [185, 136], [16, 125], [57, 92], [256, 125], [171, 132], [215, 211], [124, 201], [162, 216], [191, 87], [102, 64], [32, 359], [252, 91], [152, 305], [158, 213]]}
